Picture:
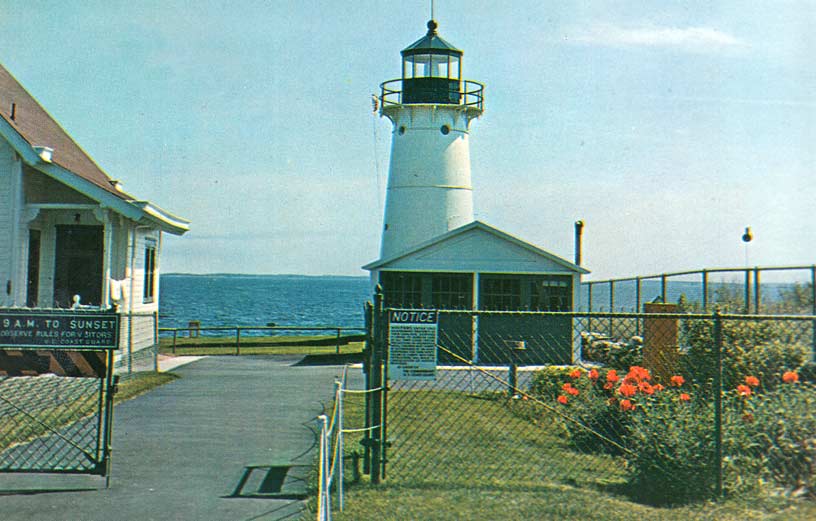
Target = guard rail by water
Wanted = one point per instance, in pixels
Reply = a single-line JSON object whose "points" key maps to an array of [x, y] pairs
{"points": [[194, 330]]}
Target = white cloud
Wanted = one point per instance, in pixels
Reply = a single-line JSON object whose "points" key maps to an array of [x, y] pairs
{"points": [[692, 39]]}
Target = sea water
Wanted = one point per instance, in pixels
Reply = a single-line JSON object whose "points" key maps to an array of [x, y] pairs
{"points": [[258, 300]]}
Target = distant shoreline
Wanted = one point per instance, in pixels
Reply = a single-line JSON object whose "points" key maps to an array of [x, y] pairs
{"points": [[264, 275]]}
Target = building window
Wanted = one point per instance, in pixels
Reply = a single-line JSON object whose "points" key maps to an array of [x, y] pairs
{"points": [[149, 272], [526, 292], [501, 293], [452, 290], [551, 293], [402, 290]]}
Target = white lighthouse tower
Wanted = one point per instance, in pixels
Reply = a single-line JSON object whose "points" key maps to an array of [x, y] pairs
{"points": [[431, 107]]}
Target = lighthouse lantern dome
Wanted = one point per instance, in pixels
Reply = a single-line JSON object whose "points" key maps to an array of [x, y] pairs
{"points": [[431, 70]]}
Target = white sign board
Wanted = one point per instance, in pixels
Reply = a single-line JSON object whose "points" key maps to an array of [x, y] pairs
{"points": [[412, 336]]}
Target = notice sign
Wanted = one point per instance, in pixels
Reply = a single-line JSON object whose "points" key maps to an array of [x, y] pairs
{"points": [[412, 338], [77, 331]]}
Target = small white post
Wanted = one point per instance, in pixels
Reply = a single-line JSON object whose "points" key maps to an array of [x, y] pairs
{"points": [[321, 471], [339, 461]]}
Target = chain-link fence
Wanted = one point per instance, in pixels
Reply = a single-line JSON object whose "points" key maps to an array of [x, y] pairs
{"points": [[666, 408], [55, 412]]}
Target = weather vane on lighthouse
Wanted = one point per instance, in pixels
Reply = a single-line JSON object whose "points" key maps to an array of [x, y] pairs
{"points": [[430, 106]]}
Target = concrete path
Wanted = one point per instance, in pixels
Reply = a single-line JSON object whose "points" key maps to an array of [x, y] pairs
{"points": [[186, 451]]}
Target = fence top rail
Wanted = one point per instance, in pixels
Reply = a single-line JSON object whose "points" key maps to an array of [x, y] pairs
{"points": [[601, 314], [264, 328], [700, 272]]}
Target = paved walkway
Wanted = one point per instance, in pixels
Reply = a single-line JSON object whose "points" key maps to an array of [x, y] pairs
{"points": [[180, 451]]}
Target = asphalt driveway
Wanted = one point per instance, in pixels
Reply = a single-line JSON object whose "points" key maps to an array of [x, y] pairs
{"points": [[208, 446]]}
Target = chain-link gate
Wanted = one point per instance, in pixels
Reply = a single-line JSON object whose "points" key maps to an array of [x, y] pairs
{"points": [[56, 404], [665, 407]]}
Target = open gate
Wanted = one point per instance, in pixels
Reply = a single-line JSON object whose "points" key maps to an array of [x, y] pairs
{"points": [[56, 391]]}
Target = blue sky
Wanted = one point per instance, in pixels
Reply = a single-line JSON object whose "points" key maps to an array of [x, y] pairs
{"points": [[666, 126]]}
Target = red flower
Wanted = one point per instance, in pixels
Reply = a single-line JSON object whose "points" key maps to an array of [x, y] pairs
{"points": [[612, 376], [753, 381], [593, 374], [658, 387], [609, 385], [562, 400], [744, 390], [644, 387], [627, 390], [626, 405], [684, 397], [569, 389], [790, 377], [638, 373], [677, 380], [575, 374]]}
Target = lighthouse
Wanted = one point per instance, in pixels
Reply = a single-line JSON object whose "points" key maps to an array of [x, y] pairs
{"points": [[433, 254], [430, 107]]}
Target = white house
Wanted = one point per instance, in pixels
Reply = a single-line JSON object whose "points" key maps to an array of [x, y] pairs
{"points": [[68, 229]]}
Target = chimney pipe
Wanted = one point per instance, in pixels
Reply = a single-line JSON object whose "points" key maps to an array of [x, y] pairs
{"points": [[579, 228]]}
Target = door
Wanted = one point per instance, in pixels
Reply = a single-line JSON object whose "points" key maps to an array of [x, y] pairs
{"points": [[33, 268], [78, 265]]}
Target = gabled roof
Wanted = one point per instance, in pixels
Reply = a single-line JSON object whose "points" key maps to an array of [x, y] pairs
{"points": [[437, 258], [26, 125]]}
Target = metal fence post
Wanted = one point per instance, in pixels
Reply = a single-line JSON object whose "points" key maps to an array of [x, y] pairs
{"points": [[663, 289], [747, 291], [705, 290], [611, 306], [237, 340], [756, 291], [367, 363], [376, 381], [637, 306], [337, 350], [384, 394], [813, 307], [718, 390]]}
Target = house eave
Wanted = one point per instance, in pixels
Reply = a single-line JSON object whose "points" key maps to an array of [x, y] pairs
{"points": [[139, 211]]}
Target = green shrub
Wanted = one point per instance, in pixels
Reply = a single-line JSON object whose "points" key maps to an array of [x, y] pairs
{"points": [[762, 348], [672, 451], [545, 383], [771, 438]]}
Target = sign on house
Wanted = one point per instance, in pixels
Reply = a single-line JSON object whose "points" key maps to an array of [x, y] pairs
{"points": [[43, 330], [412, 337]]}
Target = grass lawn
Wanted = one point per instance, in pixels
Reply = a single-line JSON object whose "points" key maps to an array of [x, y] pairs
{"points": [[457, 456], [261, 345]]}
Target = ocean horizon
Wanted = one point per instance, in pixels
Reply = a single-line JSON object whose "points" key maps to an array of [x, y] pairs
{"points": [[238, 299]]}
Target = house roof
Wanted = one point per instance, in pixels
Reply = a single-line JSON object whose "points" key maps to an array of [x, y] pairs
{"points": [[27, 126], [432, 254]]}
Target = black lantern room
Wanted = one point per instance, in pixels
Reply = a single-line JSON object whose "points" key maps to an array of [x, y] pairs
{"points": [[431, 70]]}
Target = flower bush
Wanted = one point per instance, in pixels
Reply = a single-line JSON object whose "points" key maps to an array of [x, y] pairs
{"points": [[666, 434]]}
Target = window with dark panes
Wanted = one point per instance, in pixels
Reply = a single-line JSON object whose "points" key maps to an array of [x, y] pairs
{"points": [[500, 293], [551, 293], [149, 272], [452, 290], [401, 289]]}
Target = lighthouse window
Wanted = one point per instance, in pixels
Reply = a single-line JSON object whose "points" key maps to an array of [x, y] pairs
{"points": [[401, 131], [445, 130]]}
